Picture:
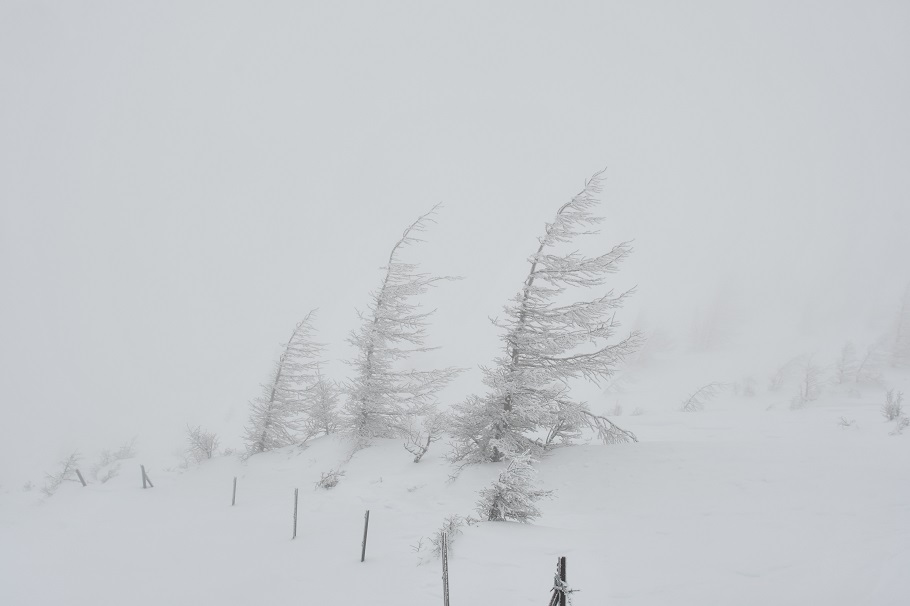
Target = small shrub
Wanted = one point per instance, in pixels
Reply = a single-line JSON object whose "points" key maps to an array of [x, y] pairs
{"points": [[108, 465], [893, 406], [329, 479], [201, 444], [66, 473]]}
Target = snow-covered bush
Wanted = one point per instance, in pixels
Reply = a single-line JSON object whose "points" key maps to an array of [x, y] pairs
{"points": [[108, 464], [66, 473], [451, 528], [329, 479], [892, 409], [421, 437], [200, 444], [513, 496]]}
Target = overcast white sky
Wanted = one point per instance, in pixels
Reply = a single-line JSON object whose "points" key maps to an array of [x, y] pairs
{"points": [[180, 182]]}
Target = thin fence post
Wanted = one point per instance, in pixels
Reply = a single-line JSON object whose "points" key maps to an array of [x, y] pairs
{"points": [[81, 479], [366, 528], [234, 494], [146, 480], [295, 513], [445, 569]]}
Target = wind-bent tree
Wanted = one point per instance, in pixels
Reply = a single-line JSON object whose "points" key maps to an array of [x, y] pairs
{"points": [[383, 397], [548, 343], [277, 416]]}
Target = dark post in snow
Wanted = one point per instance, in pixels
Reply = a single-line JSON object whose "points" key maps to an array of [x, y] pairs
{"points": [[445, 569], [295, 514], [559, 584], [234, 495], [366, 527], [146, 480], [81, 479], [562, 577]]}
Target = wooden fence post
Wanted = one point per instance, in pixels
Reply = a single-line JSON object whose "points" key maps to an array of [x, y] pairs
{"points": [[559, 584], [562, 577], [445, 569], [295, 514], [146, 480], [366, 528], [81, 479], [234, 495]]}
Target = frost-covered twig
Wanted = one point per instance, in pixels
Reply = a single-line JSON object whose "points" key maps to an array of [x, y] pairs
{"points": [[696, 401]]}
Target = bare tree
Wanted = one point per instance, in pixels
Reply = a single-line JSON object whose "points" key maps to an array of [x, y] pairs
{"points": [[382, 396], [696, 401], [548, 343], [809, 385], [277, 415]]}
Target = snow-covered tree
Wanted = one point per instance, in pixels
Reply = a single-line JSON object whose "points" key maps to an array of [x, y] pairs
{"points": [[277, 415], [868, 368], [548, 342], [845, 371], [900, 348], [321, 407], [514, 495], [383, 395], [809, 386]]}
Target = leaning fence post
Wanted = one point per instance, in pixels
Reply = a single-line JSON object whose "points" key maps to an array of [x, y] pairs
{"points": [[295, 514], [81, 479], [234, 495], [445, 569], [366, 527], [146, 480]]}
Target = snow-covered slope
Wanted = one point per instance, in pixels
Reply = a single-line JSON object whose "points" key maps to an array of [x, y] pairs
{"points": [[738, 504]]}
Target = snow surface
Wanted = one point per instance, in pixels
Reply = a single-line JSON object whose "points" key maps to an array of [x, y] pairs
{"points": [[747, 502]]}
